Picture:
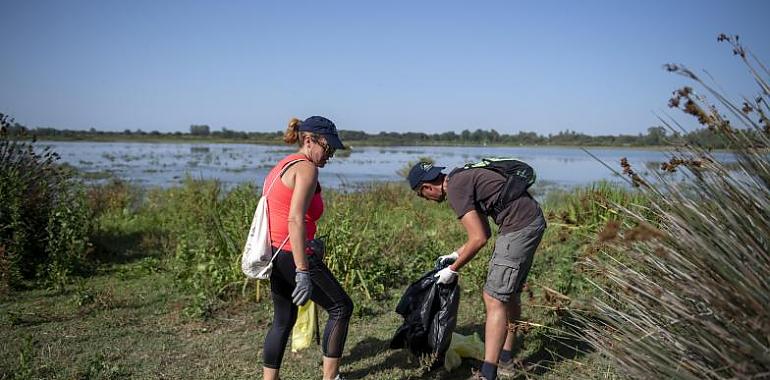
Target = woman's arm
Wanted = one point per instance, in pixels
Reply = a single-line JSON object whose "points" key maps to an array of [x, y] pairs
{"points": [[305, 178]]}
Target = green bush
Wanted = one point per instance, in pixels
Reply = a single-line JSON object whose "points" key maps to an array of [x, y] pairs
{"points": [[376, 240], [384, 237], [44, 220], [199, 228]]}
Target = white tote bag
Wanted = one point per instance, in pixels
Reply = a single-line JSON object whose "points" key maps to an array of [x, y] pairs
{"points": [[257, 257]]}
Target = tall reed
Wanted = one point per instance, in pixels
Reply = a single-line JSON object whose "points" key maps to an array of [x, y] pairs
{"points": [[693, 301]]}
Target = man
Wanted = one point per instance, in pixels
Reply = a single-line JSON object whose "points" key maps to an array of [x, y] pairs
{"points": [[472, 194]]}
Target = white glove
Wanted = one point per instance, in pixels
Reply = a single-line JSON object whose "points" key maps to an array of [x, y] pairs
{"points": [[447, 259], [446, 276]]}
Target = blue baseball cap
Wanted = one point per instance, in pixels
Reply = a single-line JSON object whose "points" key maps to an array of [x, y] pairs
{"points": [[422, 172], [322, 126]]}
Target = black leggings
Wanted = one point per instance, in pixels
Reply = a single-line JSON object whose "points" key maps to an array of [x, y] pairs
{"points": [[327, 293]]}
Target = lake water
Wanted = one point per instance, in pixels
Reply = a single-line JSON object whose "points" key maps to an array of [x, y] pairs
{"points": [[164, 165]]}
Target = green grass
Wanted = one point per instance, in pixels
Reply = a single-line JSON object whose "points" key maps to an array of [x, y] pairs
{"points": [[144, 315], [130, 322], [135, 326]]}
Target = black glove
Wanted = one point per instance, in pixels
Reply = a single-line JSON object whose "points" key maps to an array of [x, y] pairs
{"points": [[304, 287]]}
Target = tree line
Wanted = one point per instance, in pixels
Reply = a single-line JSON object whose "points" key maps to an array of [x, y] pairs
{"points": [[655, 136]]}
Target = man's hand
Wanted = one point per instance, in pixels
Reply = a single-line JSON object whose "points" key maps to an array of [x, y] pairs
{"points": [[446, 276], [304, 287], [447, 259]]}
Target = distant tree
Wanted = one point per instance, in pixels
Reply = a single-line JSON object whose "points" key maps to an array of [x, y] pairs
{"points": [[353, 135], [448, 136], [477, 135], [47, 131], [17, 129], [655, 136], [494, 136]]}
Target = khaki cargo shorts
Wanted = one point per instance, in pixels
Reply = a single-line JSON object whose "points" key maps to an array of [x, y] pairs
{"points": [[511, 261]]}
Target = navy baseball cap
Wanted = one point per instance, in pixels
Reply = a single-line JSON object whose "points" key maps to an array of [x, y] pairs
{"points": [[422, 172], [322, 126]]}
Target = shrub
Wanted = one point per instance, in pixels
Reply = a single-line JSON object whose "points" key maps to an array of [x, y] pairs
{"points": [[384, 237], [695, 303], [203, 230], [44, 221], [376, 239]]}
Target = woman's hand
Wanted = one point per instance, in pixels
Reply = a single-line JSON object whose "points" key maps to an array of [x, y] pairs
{"points": [[304, 288]]}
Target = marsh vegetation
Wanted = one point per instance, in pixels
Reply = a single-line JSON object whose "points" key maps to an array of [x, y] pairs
{"points": [[663, 277]]}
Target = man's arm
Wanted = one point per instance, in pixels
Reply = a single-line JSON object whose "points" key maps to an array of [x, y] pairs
{"points": [[477, 228]]}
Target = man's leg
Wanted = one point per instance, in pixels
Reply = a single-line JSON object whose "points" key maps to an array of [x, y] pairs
{"points": [[508, 269], [514, 315], [495, 332]]}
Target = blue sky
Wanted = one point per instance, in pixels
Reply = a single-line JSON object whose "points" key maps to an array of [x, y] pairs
{"points": [[546, 66]]}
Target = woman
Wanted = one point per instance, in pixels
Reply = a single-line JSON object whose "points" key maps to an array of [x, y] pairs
{"points": [[299, 274]]}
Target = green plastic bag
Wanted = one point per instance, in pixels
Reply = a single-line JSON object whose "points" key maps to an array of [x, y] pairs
{"points": [[305, 330], [463, 346]]}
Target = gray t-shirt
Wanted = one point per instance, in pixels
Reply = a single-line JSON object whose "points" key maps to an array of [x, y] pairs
{"points": [[478, 189]]}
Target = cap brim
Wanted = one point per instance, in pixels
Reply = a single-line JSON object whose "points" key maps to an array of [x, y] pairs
{"points": [[334, 141]]}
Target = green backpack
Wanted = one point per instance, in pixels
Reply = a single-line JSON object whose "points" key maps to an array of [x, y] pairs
{"points": [[519, 177]]}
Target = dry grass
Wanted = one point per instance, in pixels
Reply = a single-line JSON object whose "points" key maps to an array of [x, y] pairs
{"points": [[695, 302]]}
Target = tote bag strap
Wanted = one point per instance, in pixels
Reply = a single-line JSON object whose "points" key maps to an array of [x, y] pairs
{"points": [[283, 170]]}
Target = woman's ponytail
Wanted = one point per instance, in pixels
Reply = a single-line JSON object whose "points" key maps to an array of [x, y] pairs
{"points": [[292, 132]]}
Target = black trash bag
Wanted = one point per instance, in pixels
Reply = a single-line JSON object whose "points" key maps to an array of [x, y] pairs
{"points": [[430, 316]]}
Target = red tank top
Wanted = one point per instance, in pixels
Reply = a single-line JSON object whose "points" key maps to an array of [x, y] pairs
{"points": [[279, 201]]}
